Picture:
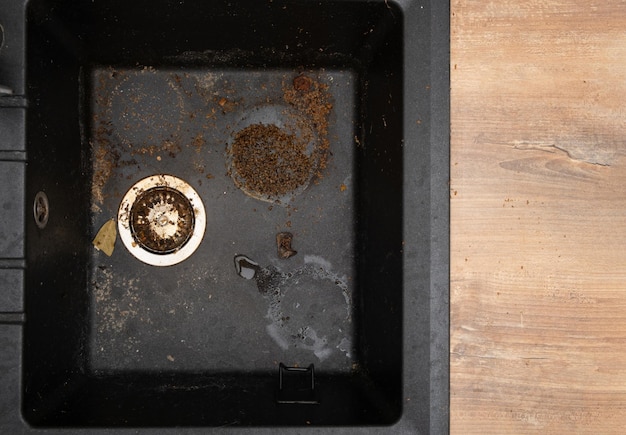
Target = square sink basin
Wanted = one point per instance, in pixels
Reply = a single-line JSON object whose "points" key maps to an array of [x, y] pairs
{"points": [[236, 215]]}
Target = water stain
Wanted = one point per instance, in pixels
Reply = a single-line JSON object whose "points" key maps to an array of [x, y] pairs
{"points": [[245, 267], [309, 308]]}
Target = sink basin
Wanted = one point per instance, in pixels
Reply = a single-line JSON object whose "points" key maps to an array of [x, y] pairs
{"points": [[295, 152]]}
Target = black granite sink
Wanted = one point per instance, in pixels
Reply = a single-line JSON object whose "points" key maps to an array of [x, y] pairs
{"points": [[348, 334]]}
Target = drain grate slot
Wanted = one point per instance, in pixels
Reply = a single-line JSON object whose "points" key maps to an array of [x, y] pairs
{"points": [[296, 385]]}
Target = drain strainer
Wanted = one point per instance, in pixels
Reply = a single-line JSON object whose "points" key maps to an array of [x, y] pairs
{"points": [[161, 220]]}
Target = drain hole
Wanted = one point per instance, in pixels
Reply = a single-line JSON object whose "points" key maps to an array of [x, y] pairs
{"points": [[161, 220], [41, 209]]}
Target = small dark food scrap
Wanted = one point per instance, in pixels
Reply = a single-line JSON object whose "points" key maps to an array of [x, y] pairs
{"points": [[283, 242]]}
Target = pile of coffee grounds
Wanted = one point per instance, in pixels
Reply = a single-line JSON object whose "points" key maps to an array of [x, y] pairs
{"points": [[312, 99], [269, 161]]}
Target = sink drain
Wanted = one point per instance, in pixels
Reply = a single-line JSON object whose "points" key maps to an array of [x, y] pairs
{"points": [[161, 220]]}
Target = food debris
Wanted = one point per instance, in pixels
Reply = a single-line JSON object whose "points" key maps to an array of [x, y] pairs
{"points": [[302, 83], [105, 239], [170, 358], [198, 142], [313, 100], [343, 187], [283, 243], [227, 105]]}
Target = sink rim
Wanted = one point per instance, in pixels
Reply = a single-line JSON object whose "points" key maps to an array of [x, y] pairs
{"points": [[438, 134]]}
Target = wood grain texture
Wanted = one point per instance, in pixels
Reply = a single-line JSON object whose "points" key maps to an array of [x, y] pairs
{"points": [[538, 216]]}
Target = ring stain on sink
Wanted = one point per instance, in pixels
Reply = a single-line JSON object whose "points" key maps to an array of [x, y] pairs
{"points": [[131, 120], [277, 148], [309, 308]]}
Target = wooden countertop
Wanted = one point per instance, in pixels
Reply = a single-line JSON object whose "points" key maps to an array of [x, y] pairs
{"points": [[538, 216]]}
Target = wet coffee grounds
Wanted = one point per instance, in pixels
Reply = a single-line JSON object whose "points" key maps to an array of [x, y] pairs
{"points": [[269, 161]]}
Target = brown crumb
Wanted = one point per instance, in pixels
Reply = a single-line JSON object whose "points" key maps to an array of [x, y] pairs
{"points": [[227, 105], [283, 243], [302, 83], [198, 142]]}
